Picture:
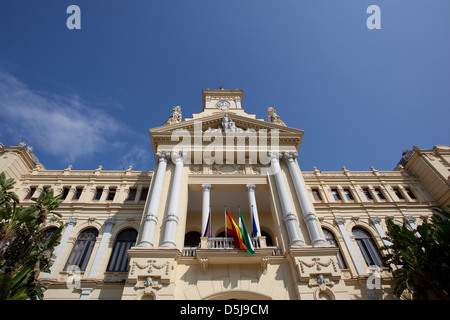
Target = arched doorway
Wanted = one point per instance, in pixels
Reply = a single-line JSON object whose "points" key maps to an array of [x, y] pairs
{"points": [[237, 295]]}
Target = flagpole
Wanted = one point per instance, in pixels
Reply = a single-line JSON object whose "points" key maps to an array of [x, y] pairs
{"points": [[210, 223], [225, 215]]}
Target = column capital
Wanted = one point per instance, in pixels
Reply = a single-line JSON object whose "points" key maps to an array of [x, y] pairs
{"points": [[72, 221], [110, 221], [339, 221], [250, 187], [274, 155], [178, 156], [290, 156], [375, 220], [206, 186], [409, 219], [163, 155]]}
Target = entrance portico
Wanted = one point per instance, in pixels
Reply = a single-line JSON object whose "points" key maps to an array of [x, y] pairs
{"points": [[224, 159]]}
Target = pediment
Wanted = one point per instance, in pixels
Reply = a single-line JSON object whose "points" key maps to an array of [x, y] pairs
{"points": [[215, 122], [212, 125]]}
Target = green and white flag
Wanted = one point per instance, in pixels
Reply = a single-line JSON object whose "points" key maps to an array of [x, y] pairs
{"points": [[245, 236]]}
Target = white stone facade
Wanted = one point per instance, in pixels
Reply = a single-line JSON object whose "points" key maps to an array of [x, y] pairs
{"points": [[171, 206]]}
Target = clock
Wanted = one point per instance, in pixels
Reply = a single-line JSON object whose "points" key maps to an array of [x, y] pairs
{"points": [[222, 103]]}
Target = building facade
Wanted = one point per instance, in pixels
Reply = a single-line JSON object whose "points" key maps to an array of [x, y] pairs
{"points": [[161, 234]]}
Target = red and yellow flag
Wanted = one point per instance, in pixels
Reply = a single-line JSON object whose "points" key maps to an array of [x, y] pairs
{"points": [[233, 230]]}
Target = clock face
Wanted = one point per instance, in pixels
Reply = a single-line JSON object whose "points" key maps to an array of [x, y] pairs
{"points": [[222, 103]]}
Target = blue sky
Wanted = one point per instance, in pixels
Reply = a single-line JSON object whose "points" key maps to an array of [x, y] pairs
{"points": [[88, 97]]}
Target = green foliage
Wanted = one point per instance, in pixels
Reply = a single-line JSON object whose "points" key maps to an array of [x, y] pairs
{"points": [[420, 259], [23, 251]]}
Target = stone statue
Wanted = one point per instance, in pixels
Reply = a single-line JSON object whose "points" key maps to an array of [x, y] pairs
{"points": [[229, 125], [175, 117], [273, 117]]}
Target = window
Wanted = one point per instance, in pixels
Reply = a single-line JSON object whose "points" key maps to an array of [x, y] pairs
{"points": [[192, 239], [65, 193], [132, 194], [316, 195], [398, 194], [336, 195], [30, 193], [144, 194], [77, 193], [46, 235], [269, 241], [111, 194], [410, 194], [348, 194], [98, 193], [41, 196], [368, 247], [380, 194], [82, 249], [119, 259], [329, 237], [367, 194]]}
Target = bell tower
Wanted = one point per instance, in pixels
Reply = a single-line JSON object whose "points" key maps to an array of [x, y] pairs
{"points": [[222, 99]]}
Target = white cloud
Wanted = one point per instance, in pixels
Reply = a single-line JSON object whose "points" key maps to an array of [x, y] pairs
{"points": [[66, 127], [138, 156]]}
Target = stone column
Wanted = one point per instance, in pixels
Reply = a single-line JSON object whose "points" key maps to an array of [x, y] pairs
{"points": [[101, 249], [288, 211], [238, 103], [205, 206], [411, 221], [377, 223], [70, 223], [253, 208], [309, 215], [152, 205], [174, 202], [351, 248]]}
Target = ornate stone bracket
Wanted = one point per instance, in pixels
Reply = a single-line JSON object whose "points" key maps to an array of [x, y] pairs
{"points": [[321, 281], [204, 264]]}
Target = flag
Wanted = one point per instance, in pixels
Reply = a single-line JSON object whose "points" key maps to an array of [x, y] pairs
{"points": [[255, 227], [245, 236], [233, 230], [208, 231]]}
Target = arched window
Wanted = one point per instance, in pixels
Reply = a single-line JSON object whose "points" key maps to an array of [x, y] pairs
{"points": [[329, 237], [46, 235], [119, 259], [82, 249], [269, 241], [368, 247], [192, 239]]}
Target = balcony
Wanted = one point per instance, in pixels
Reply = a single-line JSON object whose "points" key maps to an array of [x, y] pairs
{"points": [[226, 244]]}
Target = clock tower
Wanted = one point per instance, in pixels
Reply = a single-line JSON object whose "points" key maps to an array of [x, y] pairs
{"points": [[222, 99]]}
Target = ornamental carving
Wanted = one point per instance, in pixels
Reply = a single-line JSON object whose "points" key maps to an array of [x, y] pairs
{"points": [[228, 169], [319, 265], [309, 267], [321, 281], [154, 268]]}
